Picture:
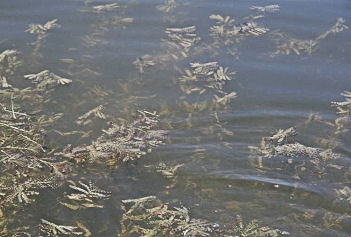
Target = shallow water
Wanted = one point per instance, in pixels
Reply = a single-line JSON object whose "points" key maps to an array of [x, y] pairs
{"points": [[219, 178]]}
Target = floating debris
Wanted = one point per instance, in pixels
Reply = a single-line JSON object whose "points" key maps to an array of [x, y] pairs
{"points": [[47, 80], [268, 8], [51, 229], [41, 31], [87, 197]]}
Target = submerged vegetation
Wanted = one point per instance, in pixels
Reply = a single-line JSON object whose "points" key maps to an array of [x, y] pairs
{"points": [[115, 134], [46, 80], [85, 196], [343, 123], [226, 32], [283, 144], [149, 216], [268, 8], [288, 45], [120, 143], [203, 77], [9, 61], [41, 32]]}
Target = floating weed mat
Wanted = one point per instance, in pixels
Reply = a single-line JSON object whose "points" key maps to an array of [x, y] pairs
{"points": [[149, 216]]}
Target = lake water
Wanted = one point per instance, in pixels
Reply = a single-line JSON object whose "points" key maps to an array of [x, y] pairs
{"points": [[219, 177]]}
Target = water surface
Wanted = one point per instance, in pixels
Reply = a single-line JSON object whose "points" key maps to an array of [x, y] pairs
{"points": [[219, 178]]}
